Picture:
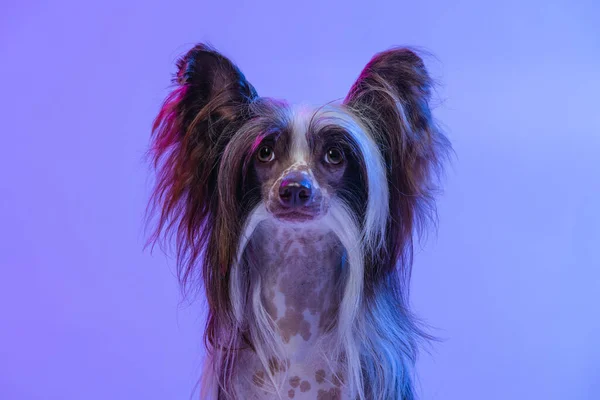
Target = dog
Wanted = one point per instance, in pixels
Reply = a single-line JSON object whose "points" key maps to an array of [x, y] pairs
{"points": [[298, 222]]}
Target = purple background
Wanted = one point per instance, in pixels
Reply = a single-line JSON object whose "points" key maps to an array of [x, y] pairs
{"points": [[511, 281]]}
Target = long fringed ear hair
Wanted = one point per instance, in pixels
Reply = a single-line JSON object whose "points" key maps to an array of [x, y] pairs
{"points": [[391, 98], [210, 102]]}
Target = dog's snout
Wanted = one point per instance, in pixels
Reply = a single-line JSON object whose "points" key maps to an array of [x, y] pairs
{"points": [[295, 190]]}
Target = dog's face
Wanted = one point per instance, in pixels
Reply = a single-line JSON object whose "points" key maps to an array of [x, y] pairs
{"points": [[297, 179], [301, 168]]}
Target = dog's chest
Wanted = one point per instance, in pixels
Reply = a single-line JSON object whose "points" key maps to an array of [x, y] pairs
{"points": [[292, 381], [300, 271]]}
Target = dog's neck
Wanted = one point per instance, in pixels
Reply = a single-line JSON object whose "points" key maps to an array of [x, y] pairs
{"points": [[299, 267]]}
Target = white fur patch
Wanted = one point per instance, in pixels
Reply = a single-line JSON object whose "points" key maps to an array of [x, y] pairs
{"points": [[300, 152]]}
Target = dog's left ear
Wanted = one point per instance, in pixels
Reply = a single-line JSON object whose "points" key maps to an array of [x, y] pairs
{"points": [[392, 97]]}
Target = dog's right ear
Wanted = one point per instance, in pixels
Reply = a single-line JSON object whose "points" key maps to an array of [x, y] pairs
{"points": [[212, 87], [198, 118]]}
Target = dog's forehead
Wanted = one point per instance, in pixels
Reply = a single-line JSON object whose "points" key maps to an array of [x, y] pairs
{"points": [[302, 116]]}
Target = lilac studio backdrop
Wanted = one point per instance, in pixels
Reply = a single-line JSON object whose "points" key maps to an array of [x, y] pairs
{"points": [[511, 280]]}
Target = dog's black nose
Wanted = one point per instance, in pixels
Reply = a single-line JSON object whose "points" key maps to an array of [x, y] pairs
{"points": [[295, 190]]}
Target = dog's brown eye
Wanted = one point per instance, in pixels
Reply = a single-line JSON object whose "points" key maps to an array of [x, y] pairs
{"points": [[334, 156], [266, 154]]}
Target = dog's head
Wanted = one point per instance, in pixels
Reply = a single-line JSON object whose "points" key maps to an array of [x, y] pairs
{"points": [[301, 167], [221, 151], [303, 161]]}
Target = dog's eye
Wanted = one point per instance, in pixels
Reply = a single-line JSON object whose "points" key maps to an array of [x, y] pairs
{"points": [[334, 156], [266, 154]]}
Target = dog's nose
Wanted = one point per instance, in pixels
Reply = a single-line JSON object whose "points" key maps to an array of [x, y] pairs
{"points": [[295, 190]]}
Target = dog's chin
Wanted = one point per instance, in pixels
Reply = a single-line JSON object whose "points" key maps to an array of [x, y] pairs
{"points": [[302, 215], [296, 216]]}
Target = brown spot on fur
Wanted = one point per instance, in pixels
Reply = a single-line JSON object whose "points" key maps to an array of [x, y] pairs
{"points": [[275, 365], [295, 381], [291, 393], [320, 376], [337, 379], [331, 394], [293, 323], [259, 378], [305, 386]]}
